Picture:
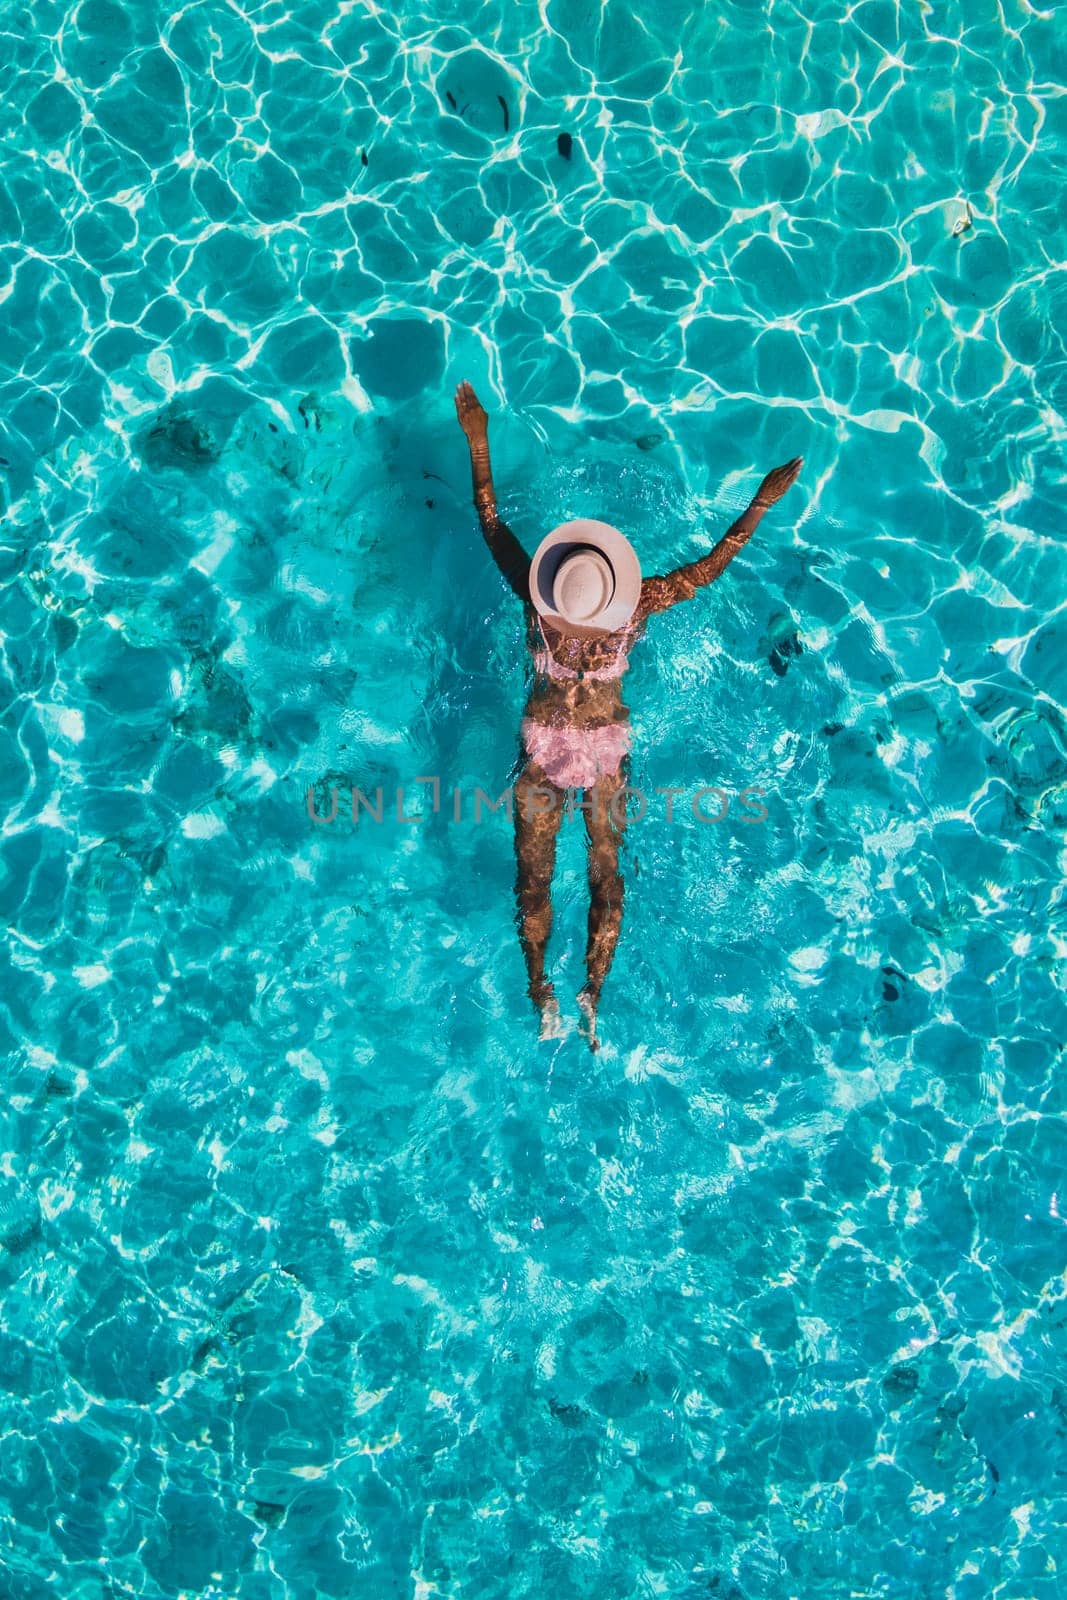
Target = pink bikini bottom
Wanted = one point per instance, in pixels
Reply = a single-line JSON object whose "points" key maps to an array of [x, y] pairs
{"points": [[573, 758]]}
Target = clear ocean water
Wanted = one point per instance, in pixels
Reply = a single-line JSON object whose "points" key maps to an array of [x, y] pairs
{"points": [[320, 1274]]}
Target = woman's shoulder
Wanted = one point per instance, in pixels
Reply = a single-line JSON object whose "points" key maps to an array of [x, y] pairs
{"points": [[604, 646]]}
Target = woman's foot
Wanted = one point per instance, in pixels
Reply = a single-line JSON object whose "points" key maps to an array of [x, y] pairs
{"points": [[544, 998], [551, 1021], [587, 1004], [471, 414]]}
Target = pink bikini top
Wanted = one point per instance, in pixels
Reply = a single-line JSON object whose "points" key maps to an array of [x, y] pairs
{"points": [[546, 663]]}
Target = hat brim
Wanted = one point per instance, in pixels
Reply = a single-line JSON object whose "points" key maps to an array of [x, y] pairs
{"points": [[615, 547]]}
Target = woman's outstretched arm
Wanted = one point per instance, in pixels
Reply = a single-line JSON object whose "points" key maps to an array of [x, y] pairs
{"points": [[508, 553], [682, 584]]}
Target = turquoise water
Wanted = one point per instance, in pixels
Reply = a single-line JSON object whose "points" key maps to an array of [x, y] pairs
{"points": [[321, 1276]]}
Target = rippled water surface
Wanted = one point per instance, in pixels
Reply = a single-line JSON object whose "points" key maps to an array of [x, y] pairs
{"points": [[320, 1275]]}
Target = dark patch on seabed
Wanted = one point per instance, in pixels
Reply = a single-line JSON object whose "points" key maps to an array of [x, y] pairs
{"points": [[783, 640], [780, 654], [175, 439], [269, 1511], [571, 1415], [890, 991], [901, 1381]]}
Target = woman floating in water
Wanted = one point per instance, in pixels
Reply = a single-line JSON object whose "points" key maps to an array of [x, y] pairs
{"points": [[586, 605]]}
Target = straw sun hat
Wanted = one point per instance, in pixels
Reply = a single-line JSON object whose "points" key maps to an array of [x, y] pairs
{"points": [[585, 575]]}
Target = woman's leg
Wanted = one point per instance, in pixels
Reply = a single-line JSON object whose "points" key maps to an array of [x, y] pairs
{"points": [[538, 807], [605, 827]]}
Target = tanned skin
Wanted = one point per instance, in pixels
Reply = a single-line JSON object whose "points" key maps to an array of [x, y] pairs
{"points": [[582, 703]]}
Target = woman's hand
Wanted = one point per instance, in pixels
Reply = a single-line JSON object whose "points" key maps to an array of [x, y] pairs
{"points": [[471, 414], [777, 481]]}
